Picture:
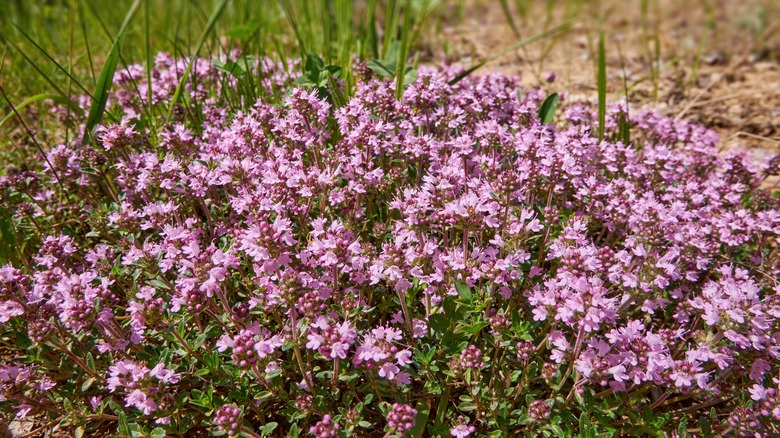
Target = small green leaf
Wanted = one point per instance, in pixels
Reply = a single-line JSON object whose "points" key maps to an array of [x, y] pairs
{"points": [[467, 406], [705, 427], [123, 427], [439, 322], [268, 428], [584, 421], [472, 329], [682, 428], [229, 67], [463, 290], [379, 67], [157, 432], [547, 110], [87, 383]]}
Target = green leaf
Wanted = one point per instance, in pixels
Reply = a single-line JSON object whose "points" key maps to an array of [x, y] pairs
{"points": [[268, 428], [682, 428], [441, 409], [157, 432], [463, 290], [472, 329], [106, 78], [123, 427], [467, 406], [704, 425], [102, 90], [547, 110], [439, 322], [379, 67], [450, 308], [87, 384], [229, 67], [584, 421], [556, 430]]}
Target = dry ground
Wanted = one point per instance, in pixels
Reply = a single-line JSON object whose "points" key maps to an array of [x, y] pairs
{"points": [[717, 62]]}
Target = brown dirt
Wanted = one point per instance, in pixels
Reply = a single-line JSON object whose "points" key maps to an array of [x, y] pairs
{"points": [[719, 59]]}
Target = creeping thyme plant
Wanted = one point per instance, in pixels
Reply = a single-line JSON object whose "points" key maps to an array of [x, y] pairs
{"points": [[328, 264]]}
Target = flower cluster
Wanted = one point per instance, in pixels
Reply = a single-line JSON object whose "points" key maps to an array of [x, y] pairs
{"points": [[400, 418], [325, 428], [321, 256], [144, 389], [379, 352], [228, 419]]}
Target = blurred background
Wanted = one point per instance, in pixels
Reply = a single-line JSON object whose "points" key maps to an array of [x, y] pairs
{"points": [[714, 61]]}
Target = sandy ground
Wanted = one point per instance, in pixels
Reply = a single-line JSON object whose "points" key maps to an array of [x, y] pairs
{"points": [[719, 61]]}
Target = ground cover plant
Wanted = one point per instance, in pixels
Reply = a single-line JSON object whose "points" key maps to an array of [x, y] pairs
{"points": [[463, 261], [271, 242]]}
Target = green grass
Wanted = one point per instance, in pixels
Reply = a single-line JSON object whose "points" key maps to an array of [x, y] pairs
{"points": [[54, 51], [58, 50]]}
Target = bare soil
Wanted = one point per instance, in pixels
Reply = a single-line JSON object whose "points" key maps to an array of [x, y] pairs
{"points": [[716, 62]]}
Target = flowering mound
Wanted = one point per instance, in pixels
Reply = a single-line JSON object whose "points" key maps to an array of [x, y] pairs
{"points": [[446, 265]]}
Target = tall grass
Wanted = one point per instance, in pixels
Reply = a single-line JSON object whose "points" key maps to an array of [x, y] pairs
{"points": [[108, 34]]}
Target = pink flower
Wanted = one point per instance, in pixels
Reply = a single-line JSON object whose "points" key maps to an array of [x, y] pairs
{"points": [[462, 430]]}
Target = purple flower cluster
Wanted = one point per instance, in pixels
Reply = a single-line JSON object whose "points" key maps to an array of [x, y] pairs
{"points": [[26, 387], [400, 418], [539, 410], [470, 358], [228, 419], [322, 242], [144, 389], [325, 428], [378, 351]]}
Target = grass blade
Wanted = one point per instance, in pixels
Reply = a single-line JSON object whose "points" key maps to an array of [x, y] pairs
{"points": [[44, 96], [33, 64], [106, 78], [547, 110], [102, 89], [51, 59], [403, 53], [624, 125], [210, 25], [421, 420], [624, 129], [602, 87], [525, 42], [509, 18]]}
